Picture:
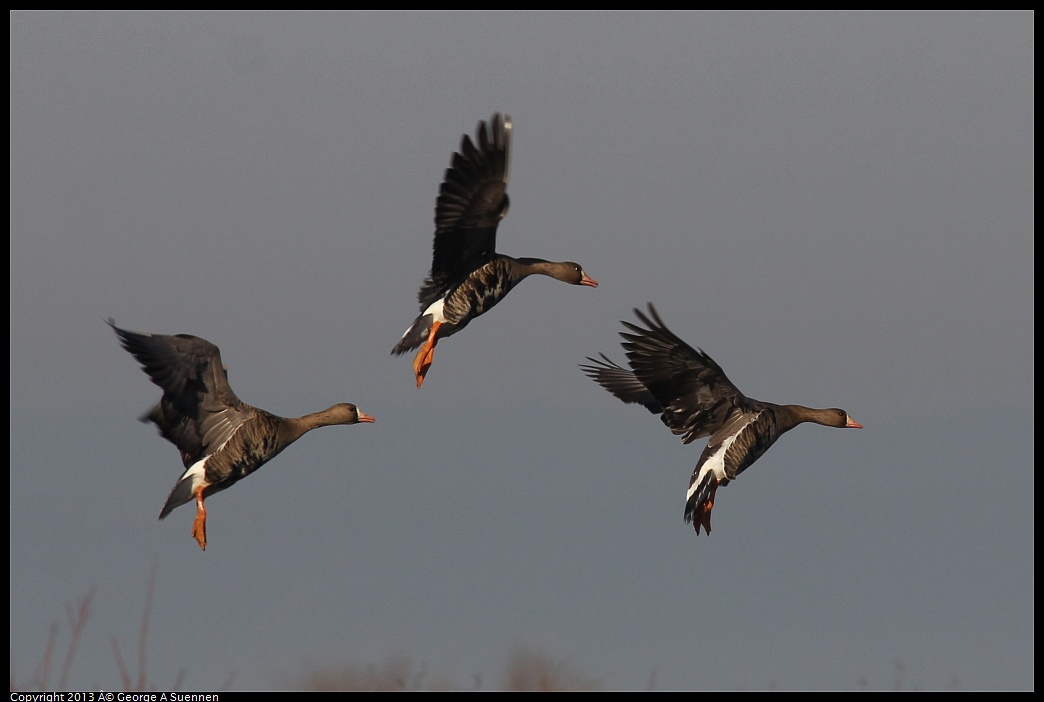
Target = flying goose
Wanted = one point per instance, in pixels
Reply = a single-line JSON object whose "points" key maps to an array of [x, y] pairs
{"points": [[221, 439], [467, 275], [695, 399]]}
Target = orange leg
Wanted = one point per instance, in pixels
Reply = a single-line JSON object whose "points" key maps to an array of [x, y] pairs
{"points": [[703, 512], [703, 516], [199, 525], [425, 354]]}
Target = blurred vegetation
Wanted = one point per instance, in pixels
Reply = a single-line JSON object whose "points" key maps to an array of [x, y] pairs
{"points": [[530, 671], [526, 670], [76, 617]]}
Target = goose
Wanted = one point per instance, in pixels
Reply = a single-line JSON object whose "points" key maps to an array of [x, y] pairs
{"points": [[467, 275], [695, 399], [221, 439]]}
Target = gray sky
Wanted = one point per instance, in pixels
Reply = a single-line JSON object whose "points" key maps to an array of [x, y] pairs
{"points": [[837, 207]]}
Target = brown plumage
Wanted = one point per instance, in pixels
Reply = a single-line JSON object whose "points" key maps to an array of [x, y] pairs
{"points": [[695, 399], [221, 439], [468, 276]]}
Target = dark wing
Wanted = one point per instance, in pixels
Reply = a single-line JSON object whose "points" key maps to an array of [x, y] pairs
{"points": [[696, 395], [752, 440], [198, 411], [621, 383], [472, 201]]}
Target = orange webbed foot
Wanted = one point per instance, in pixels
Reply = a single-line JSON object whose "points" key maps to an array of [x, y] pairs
{"points": [[199, 531], [422, 362], [703, 516], [199, 524], [703, 512], [426, 354]]}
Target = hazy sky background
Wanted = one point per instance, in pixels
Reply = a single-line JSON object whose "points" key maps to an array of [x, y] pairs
{"points": [[837, 207]]}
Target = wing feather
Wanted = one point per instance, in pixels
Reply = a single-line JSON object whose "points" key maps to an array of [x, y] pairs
{"points": [[472, 200]]}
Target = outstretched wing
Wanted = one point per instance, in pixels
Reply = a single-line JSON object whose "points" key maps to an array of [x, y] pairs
{"points": [[472, 201], [199, 411], [696, 395], [621, 382]]}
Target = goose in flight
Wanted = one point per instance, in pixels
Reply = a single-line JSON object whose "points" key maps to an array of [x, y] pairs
{"points": [[695, 399], [221, 439], [467, 275]]}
